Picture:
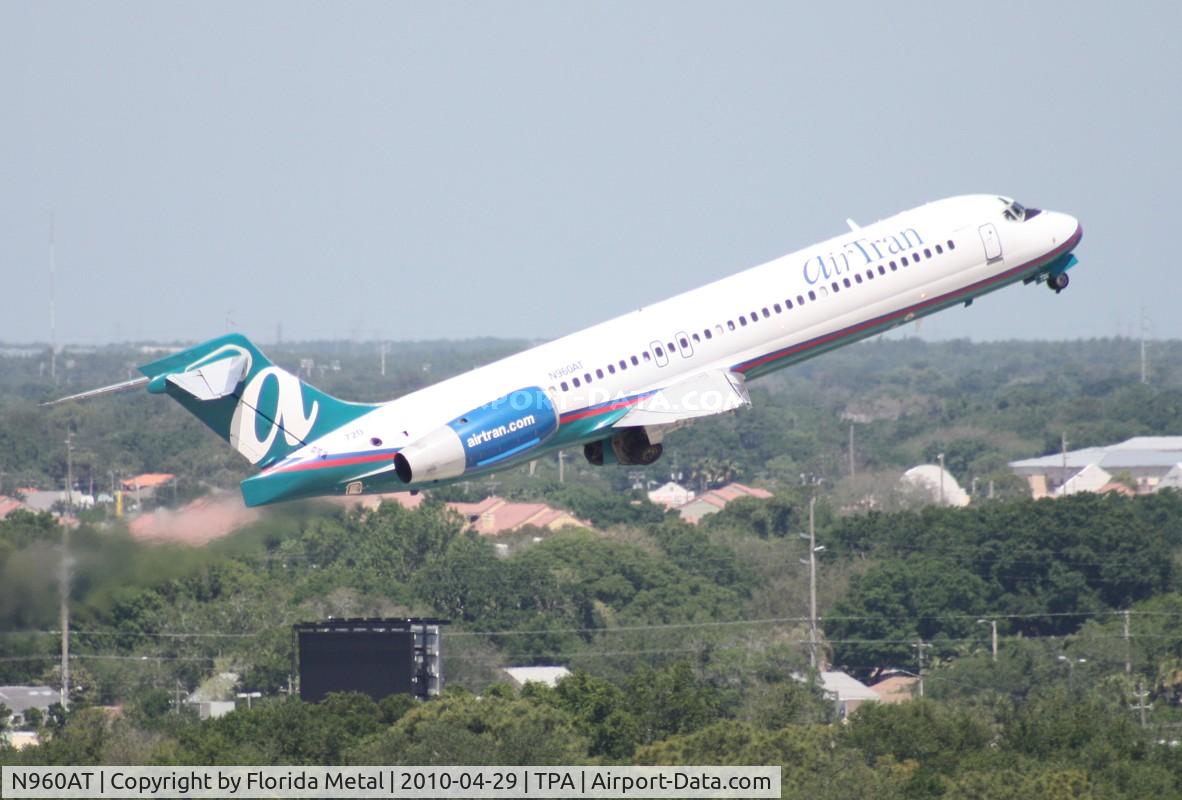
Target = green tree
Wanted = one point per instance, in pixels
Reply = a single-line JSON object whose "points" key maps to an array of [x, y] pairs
{"points": [[459, 728]]}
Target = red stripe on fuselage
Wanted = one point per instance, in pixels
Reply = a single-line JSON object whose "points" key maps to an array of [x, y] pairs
{"points": [[571, 416], [346, 460]]}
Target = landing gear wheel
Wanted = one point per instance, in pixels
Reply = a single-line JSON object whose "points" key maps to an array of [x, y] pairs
{"points": [[1058, 283]]}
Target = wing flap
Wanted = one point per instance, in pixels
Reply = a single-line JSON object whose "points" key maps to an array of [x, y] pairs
{"points": [[704, 394]]}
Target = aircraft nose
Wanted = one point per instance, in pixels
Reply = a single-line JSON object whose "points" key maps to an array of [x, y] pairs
{"points": [[1065, 228]]}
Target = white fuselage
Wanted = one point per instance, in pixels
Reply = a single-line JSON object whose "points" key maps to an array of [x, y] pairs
{"points": [[852, 286]]}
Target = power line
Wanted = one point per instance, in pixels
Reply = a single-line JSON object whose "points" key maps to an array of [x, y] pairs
{"points": [[770, 621]]}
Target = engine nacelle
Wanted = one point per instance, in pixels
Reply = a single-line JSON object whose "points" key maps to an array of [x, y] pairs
{"points": [[629, 446], [507, 426]]}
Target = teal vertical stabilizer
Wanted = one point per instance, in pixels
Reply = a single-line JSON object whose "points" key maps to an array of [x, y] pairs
{"points": [[262, 410]]}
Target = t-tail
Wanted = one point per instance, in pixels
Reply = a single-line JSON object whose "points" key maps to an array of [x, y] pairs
{"points": [[262, 410]]}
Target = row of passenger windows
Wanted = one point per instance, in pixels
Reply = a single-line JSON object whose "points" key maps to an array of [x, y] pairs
{"points": [[623, 363]]}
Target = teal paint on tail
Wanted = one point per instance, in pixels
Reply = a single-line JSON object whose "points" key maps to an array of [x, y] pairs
{"points": [[268, 414]]}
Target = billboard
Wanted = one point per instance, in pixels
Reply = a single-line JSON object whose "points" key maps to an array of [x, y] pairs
{"points": [[375, 657]]}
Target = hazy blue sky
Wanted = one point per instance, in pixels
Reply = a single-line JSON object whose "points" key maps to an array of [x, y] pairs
{"points": [[439, 170]]}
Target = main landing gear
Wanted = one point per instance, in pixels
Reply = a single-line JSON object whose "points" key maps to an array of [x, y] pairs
{"points": [[1057, 283]]}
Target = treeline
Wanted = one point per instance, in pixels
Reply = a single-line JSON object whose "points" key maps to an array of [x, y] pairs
{"points": [[981, 405], [689, 642], [1058, 744], [730, 591]]}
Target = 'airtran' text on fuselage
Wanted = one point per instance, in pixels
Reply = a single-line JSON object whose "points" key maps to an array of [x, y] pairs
{"points": [[858, 253]]}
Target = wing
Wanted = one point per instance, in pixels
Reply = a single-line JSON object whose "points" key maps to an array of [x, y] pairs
{"points": [[704, 394]]}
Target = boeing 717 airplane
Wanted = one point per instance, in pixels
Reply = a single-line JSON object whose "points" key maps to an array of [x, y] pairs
{"points": [[617, 388]]}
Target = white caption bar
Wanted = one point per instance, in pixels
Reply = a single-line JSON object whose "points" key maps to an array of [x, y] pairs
{"points": [[417, 782]]}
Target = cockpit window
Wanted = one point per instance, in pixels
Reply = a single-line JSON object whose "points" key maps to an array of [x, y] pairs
{"points": [[1017, 212]]}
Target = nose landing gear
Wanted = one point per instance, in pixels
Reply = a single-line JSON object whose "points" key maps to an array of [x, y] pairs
{"points": [[1057, 283]]}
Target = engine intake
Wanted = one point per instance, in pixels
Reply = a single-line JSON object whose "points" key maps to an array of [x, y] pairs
{"points": [[495, 431]]}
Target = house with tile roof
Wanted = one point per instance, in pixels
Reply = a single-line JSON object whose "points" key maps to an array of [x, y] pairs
{"points": [[716, 499], [494, 515], [10, 504]]}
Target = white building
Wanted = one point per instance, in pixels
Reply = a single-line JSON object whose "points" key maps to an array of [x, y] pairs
{"points": [[1149, 462], [939, 483], [548, 676], [671, 495]]}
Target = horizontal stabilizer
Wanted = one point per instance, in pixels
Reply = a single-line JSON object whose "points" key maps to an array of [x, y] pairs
{"points": [[213, 380], [125, 386], [702, 395]]}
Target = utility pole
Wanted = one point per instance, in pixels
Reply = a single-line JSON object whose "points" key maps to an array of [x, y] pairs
{"points": [[812, 565], [561, 467], [1071, 662], [993, 639], [851, 449], [940, 457], [64, 609], [919, 646], [1144, 348], [70, 470], [382, 349], [1142, 706], [1128, 643], [1063, 448], [52, 304]]}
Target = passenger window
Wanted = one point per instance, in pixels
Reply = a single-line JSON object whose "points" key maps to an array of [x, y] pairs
{"points": [[858, 277], [623, 364], [672, 348], [683, 342], [788, 304], [636, 361], [894, 267], [823, 291], [743, 321], [881, 269], [647, 357], [927, 253], [846, 281], [778, 308], [812, 295], [611, 368], [576, 382], [939, 250], [836, 288], [565, 388], [915, 257], [599, 374], [697, 338], [800, 300], [718, 329], [708, 334], [904, 260], [766, 313], [587, 378], [951, 245], [870, 274], [730, 324], [662, 359]]}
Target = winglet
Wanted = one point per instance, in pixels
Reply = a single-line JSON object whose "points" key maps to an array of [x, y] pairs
{"points": [[853, 225]]}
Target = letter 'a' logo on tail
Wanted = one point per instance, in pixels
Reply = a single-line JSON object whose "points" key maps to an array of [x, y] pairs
{"points": [[233, 388], [288, 414]]}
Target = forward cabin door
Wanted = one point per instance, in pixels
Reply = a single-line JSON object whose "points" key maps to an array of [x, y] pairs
{"points": [[992, 243]]}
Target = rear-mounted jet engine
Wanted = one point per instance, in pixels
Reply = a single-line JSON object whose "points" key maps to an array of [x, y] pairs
{"points": [[493, 432]]}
